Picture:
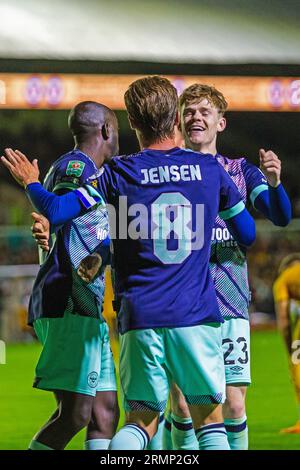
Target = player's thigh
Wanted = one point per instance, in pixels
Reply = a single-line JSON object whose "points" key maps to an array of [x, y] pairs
{"points": [[143, 377], [178, 403], [54, 362], [195, 361], [236, 350], [106, 404], [75, 407], [71, 355]]}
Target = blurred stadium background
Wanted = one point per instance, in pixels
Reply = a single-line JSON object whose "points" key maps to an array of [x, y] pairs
{"points": [[54, 54]]}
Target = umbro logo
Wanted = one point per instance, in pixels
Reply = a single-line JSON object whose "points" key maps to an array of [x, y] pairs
{"points": [[236, 368]]}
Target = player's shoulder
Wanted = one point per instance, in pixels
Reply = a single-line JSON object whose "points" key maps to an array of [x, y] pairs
{"points": [[125, 158], [240, 165], [292, 273], [189, 153], [73, 168], [282, 281], [232, 164], [205, 159], [74, 162], [208, 163], [120, 160], [233, 159]]}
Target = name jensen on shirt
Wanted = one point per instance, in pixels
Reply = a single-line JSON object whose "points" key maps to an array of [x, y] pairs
{"points": [[174, 173]]}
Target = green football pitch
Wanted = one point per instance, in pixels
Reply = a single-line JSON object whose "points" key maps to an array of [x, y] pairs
{"points": [[271, 403]]}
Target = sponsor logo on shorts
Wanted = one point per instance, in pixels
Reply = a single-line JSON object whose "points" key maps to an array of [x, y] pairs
{"points": [[92, 379], [236, 370]]}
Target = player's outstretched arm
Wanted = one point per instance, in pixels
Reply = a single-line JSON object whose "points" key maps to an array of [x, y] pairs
{"points": [[57, 209], [274, 203], [242, 228]]}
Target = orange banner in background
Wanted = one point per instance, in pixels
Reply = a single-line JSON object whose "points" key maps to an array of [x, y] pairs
{"points": [[62, 91]]}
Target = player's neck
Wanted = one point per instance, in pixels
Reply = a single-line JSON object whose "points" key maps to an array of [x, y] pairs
{"points": [[165, 144], [92, 152], [206, 148]]}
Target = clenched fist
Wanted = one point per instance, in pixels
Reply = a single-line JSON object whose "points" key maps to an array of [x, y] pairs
{"points": [[270, 165]]}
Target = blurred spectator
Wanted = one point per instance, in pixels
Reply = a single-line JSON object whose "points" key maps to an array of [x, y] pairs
{"points": [[263, 262]]}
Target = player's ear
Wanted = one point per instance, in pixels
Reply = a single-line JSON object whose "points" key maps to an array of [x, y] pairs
{"points": [[105, 131], [221, 124]]}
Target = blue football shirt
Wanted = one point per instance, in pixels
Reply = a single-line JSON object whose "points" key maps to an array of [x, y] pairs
{"points": [[58, 288], [168, 202]]}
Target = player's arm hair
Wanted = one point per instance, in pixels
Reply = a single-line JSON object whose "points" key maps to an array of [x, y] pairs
{"points": [[283, 322], [275, 204], [242, 228], [57, 209]]}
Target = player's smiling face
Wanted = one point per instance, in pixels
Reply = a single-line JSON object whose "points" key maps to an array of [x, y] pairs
{"points": [[200, 123]]}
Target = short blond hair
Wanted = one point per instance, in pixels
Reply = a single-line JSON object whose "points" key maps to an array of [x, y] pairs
{"points": [[152, 105], [199, 91]]}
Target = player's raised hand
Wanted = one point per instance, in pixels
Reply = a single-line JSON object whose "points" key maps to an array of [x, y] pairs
{"points": [[270, 165], [21, 169], [41, 230], [89, 267]]}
